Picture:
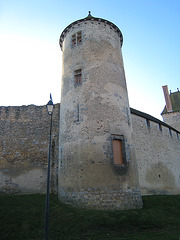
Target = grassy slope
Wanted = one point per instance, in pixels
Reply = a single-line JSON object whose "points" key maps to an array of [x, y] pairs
{"points": [[22, 217]]}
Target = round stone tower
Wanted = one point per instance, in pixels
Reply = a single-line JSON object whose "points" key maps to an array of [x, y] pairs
{"points": [[97, 165]]}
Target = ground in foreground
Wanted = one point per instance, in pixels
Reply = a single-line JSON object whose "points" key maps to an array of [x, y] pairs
{"points": [[22, 218]]}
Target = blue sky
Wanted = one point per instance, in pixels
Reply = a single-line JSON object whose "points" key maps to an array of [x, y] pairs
{"points": [[30, 57]]}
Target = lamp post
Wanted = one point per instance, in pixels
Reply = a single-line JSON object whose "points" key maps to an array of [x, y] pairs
{"points": [[50, 107]]}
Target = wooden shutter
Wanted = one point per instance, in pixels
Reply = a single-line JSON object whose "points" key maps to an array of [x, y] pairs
{"points": [[77, 76], [117, 152]]}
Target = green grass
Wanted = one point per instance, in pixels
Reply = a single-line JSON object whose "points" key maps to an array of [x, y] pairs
{"points": [[22, 217]]}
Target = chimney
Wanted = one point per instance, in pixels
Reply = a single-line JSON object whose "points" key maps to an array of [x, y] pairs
{"points": [[167, 98]]}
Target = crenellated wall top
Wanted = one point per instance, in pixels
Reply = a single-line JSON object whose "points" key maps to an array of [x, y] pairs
{"points": [[153, 119]]}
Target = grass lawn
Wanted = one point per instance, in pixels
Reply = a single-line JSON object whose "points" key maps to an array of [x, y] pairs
{"points": [[22, 217]]}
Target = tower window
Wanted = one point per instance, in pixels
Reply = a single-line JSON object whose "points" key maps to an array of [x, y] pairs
{"points": [[119, 161], [76, 38], [117, 152], [78, 76]]}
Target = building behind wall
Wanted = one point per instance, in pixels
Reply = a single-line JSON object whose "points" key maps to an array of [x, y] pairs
{"points": [[171, 112]]}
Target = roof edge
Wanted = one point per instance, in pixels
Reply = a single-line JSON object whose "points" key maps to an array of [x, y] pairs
{"points": [[151, 118], [89, 18]]}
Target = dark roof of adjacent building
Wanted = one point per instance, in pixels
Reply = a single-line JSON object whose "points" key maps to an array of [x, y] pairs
{"points": [[175, 101]]}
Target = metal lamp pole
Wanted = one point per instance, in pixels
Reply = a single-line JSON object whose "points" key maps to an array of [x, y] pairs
{"points": [[50, 107]]}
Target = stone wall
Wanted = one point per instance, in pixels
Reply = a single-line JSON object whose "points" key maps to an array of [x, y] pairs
{"points": [[158, 155], [24, 141]]}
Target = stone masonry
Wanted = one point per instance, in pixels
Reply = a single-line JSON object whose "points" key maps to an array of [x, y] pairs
{"points": [[94, 112], [24, 144]]}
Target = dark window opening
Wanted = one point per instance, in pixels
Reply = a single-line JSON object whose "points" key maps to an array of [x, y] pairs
{"points": [[170, 132], [160, 127], [78, 76], [76, 38], [77, 113], [148, 122]]}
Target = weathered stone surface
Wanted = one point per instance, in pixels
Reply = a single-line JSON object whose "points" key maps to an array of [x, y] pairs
{"points": [[103, 198], [23, 157], [158, 157], [24, 145], [92, 113]]}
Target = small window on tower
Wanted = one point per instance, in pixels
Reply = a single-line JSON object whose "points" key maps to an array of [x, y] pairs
{"points": [[117, 152], [76, 38], [120, 164], [78, 76]]}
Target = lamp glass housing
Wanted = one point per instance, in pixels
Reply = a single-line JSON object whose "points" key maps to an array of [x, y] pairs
{"points": [[50, 107]]}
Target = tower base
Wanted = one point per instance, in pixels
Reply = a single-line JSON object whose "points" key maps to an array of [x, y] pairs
{"points": [[102, 198]]}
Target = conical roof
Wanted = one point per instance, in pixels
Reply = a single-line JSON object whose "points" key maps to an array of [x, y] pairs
{"points": [[90, 18]]}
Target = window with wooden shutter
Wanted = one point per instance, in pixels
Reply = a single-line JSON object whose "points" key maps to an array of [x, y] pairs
{"points": [[119, 162], [78, 76], [117, 152]]}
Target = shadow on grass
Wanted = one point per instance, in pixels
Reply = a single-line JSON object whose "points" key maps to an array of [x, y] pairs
{"points": [[22, 217]]}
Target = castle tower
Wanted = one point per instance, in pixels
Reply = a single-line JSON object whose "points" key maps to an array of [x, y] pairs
{"points": [[97, 166]]}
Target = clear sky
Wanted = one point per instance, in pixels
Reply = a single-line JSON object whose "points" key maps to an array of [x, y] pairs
{"points": [[30, 56]]}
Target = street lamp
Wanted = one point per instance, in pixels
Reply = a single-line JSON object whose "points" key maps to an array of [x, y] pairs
{"points": [[50, 107]]}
